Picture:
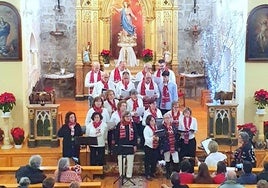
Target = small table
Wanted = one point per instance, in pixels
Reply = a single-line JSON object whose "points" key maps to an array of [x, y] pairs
{"points": [[61, 78], [193, 77]]}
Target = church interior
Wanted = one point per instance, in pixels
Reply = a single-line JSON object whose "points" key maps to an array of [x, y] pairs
{"points": [[212, 46]]}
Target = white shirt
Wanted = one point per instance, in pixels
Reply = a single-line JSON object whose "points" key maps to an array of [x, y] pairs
{"points": [[115, 118], [105, 115], [172, 77], [139, 76], [87, 79], [148, 136], [100, 133], [108, 106], [120, 88], [193, 126], [213, 158], [130, 106], [97, 90], [121, 74], [147, 87], [147, 113]]}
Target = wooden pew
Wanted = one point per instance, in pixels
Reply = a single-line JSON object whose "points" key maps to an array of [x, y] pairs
{"points": [[196, 185], [87, 171], [59, 185], [211, 170]]}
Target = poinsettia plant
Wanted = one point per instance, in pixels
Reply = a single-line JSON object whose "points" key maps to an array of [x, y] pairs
{"points": [[250, 128], [147, 55], [105, 54], [261, 98], [7, 102], [18, 135]]}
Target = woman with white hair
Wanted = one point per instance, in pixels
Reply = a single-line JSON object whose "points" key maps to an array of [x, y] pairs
{"points": [[32, 170], [67, 174], [169, 144]]}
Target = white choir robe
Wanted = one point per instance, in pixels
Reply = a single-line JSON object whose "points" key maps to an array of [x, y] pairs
{"points": [[87, 80], [98, 88], [120, 86]]}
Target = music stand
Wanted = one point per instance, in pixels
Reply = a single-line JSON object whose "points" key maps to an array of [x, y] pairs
{"points": [[124, 150], [86, 141]]}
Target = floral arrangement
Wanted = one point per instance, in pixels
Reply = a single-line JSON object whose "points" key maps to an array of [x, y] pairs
{"points": [[250, 128], [147, 55], [261, 98], [18, 135], [105, 54], [7, 102]]}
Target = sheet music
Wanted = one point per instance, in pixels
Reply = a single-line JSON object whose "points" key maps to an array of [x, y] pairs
{"points": [[140, 110], [124, 93], [149, 93], [205, 144]]}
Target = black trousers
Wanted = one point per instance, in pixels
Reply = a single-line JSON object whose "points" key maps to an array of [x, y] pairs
{"points": [[97, 156], [188, 150], [150, 160], [140, 129]]}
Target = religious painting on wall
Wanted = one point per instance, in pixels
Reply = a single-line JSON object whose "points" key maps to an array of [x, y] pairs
{"points": [[10, 33], [257, 34], [127, 19]]}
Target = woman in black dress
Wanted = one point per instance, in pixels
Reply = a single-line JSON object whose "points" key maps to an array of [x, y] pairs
{"points": [[69, 131]]}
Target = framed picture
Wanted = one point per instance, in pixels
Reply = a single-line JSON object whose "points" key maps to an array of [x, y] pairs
{"points": [[257, 34], [10, 33]]}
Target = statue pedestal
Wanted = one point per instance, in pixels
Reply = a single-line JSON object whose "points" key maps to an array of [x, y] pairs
{"points": [[6, 144]]}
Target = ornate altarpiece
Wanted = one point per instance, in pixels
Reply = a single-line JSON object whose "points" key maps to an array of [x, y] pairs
{"points": [[160, 23]]}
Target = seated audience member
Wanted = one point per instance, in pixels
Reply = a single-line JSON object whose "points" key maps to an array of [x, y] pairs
{"points": [[148, 90], [185, 176], [24, 182], [262, 184], [214, 156], [231, 181], [91, 78], [124, 86], [103, 86], [220, 175], [65, 173], [32, 170], [97, 106], [147, 68], [49, 182], [175, 180], [152, 110], [134, 104], [247, 177], [168, 93], [203, 175], [245, 152], [264, 174], [74, 184]]}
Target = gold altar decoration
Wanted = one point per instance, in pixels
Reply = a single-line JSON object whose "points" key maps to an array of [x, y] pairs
{"points": [[160, 23]]}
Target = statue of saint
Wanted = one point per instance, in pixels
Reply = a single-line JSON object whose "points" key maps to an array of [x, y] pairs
{"points": [[4, 32]]}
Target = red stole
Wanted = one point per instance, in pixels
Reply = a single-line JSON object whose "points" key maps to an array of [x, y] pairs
{"points": [[96, 124], [155, 142], [136, 119], [97, 109], [165, 97], [187, 126], [91, 79], [153, 112], [71, 126], [125, 84], [175, 117], [158, 74], [117, 76], [143, 73], [122, 131], [171, 138], [143, 88], [105, 85], [112, 104]]}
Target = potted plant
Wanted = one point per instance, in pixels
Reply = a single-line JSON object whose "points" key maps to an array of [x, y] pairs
{"points": [[18, 136], [105, 54], [147, 55], [250, 128], [7, 102], [261, 100]]}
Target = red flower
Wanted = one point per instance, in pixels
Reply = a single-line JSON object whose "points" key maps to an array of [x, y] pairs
{"points": [[18, 135], [7, 102], [261, 98], [147, 55], [248, 127], [105, 53]]}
